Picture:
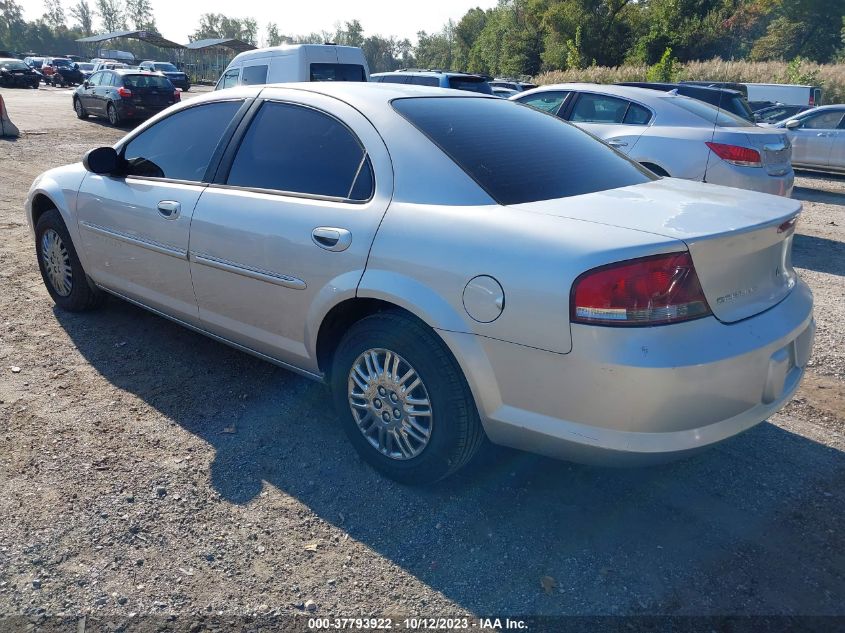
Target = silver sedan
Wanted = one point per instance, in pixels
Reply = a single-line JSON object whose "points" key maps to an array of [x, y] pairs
{"points": [[673, 135], [818, 138], [553, 296]]}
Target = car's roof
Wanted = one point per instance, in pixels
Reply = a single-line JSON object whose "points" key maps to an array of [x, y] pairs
{"points": [[131, 71], [426, 73], [631, 92]]}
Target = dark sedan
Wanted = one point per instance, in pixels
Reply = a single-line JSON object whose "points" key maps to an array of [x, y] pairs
{"points": [[63, 72], [176, 76], [15, 74], [121, 95]]}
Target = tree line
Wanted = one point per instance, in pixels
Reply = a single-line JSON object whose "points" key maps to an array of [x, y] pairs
{"points": [[517, 37]]}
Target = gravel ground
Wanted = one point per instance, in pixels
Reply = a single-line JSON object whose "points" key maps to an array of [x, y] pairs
{"points": [[145, 469]]}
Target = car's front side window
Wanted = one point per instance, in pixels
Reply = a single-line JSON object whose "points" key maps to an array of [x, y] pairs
{"points": [[229, 80], [295, 149], [823, 121], [180, 146]]}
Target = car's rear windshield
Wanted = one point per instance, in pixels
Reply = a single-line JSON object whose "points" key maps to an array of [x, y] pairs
{"points": [[62, 62], [531, 155], [165, 67], [473, 84], [709, 113], [338, 72], [147, 81], [85, 66], [13, 65]]}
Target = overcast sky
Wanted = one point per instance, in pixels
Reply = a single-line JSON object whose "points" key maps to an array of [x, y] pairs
{"points": [[177, 19]]}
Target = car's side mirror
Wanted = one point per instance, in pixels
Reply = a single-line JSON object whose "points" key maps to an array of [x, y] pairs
{"points": [[793, 124], [102, 160]]}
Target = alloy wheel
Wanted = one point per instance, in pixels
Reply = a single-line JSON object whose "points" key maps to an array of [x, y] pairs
{"points": [[56, 262], [390, 404]]}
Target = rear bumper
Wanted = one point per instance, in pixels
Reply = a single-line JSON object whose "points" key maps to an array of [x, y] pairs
{"points": [[130, 111], [638, 395], [720, 172]]}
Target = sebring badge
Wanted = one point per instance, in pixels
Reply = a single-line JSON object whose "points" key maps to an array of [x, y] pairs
{"points": [[733, 296]]}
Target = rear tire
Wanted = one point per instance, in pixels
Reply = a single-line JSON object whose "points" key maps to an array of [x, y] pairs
{"points": [[377, 412], [114, 117], [61, 270]]}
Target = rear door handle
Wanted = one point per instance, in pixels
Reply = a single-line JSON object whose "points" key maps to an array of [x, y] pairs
{"points": [[331, 238], [170, 209], [615, 142]]}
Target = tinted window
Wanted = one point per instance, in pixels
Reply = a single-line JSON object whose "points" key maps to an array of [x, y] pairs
{"points": [[532, 156], [592, 108], [152, 82], [165, 67], [473, 84], [254, 75], [710, 113], [229, 80], [637, 115], [546, 101], [337, 72], [395, 79], [180, 146], [420, 80], [823, 121], [297, 149]]}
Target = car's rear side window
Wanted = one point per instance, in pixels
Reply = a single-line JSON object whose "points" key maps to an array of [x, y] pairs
{"points": [[180, 146], [532, 156], [423, 80], [546, 101], [295, 149]]}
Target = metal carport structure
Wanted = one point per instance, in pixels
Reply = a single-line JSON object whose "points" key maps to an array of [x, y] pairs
{"points": [[149, 38], [206, 59]]}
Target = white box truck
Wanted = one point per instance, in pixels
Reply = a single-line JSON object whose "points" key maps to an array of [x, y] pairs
{"points": [[787, 94]]}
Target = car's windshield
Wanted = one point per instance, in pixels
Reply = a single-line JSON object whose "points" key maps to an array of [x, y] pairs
{"points": [[64, 63], [532, 156], [147, 81], [710, 113], [84, 66], [166, 67], [13, 64]]}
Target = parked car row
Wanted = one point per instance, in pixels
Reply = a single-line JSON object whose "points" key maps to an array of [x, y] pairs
{"points": [[65, 71]]}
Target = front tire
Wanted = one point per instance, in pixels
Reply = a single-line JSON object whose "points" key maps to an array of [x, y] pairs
{"points": [[80, 109], [61, 270], [402, 399]]}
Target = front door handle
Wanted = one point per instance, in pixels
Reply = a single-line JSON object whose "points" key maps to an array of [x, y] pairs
{"points": [[170, 209], [331, 238], [615, 142]]}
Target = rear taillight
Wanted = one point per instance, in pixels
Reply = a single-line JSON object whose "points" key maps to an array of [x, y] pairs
{"points": [[124, 92], [736, 154], [646, 291], [177, 95]]}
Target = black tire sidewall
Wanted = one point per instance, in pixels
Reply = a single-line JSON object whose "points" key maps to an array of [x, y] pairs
{"points": [[451, 401], [81, 292], [110, 108]]}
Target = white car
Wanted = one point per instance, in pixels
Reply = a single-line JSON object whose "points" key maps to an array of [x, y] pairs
{"points": [[673, 135], [552, 295], [818, 138]]}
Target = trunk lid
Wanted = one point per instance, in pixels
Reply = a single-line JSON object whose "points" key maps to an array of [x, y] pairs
{"points": [[773, 145], [740, 241]]}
